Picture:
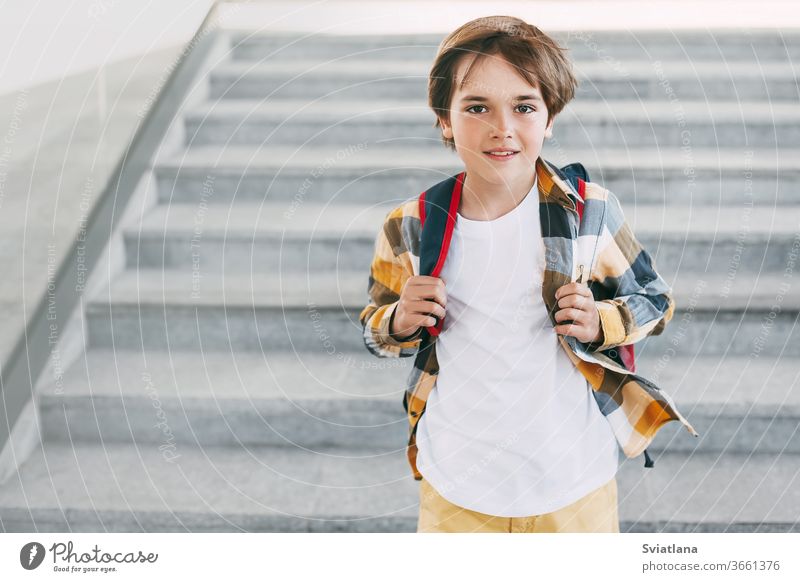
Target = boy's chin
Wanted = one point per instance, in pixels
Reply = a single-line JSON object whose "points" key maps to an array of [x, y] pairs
{"points": [[494, 173], [482, 161]]}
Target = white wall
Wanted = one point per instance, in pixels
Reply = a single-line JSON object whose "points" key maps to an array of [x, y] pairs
{"points": [[45, 40], [442, 16]]}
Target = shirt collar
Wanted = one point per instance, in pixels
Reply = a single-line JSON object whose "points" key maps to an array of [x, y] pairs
{"points": [[552, 187]]}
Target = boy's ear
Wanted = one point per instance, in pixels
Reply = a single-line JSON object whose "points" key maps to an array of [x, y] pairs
{"points": [[548, 130], [447, 131]]}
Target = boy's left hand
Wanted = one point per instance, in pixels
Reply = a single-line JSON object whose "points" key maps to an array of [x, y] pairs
{"points": [[576, 303]]}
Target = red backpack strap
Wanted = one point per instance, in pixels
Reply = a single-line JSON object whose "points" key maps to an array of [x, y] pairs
{"points": [[582, 194], [627, 356]]}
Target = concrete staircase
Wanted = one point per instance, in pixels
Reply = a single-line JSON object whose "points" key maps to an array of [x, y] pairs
{"points": [[224, 384]]}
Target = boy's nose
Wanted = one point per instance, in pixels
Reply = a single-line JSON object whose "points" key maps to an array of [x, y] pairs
{"points": [[501, 126]]}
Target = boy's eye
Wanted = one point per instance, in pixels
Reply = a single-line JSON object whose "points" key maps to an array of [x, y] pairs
{"points": [[530, 109], [474, 106]]}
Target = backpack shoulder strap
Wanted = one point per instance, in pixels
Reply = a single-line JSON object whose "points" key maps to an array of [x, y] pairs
{"points": [[575, 172], [577, 175]]}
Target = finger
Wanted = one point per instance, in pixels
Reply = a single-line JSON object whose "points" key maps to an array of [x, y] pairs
{"points": [[573, 300], [564, 329], [572, 324], [577, 331], [440, 293], [426, 308], [569, 314], [424, 280], [434, 291], [424, 320], [565, 290], [573, 288]]}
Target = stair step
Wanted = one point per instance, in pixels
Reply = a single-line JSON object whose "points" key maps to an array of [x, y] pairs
{"points": [[121, 487], [737, 405], [154, 309], [707, 492], [318, 312], [591, 46], [619, 124], [378, 173], [259, 238], [212, 398], [403, 79], [134, 488], [273, 237]]}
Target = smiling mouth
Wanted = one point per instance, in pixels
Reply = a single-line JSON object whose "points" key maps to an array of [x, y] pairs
{"points": [[501, 155]]}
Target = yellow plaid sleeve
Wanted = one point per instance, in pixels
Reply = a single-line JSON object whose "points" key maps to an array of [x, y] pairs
{"points": [[637, 301], [390, 269]]}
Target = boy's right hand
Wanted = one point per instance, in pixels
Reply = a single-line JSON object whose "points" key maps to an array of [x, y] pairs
{"points": [[421, 299]]}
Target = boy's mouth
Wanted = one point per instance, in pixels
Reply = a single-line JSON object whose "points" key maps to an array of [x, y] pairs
{"points": [[501, 154]]}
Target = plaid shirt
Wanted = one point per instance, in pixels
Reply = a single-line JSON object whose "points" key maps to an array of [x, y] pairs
{"points": [[597, 248]]}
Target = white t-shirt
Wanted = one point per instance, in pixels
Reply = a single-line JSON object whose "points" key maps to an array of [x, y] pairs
{"points": [[511, 428]]}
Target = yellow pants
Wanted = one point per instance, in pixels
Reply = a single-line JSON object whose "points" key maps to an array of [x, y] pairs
{"points": [[596, 512]]}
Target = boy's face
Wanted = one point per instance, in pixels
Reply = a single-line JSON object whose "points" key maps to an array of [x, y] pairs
{"points": [[497, 109]]}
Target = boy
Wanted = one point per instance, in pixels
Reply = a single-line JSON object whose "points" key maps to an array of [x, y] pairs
{"points": [[512, 289]]}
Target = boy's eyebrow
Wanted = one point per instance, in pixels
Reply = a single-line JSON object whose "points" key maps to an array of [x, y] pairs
{"points": [[518, 98]]}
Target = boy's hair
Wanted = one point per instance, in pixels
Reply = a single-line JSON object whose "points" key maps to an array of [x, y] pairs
{"points": [[537, 57]]}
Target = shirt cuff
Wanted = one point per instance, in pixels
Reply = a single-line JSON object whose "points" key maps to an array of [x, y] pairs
{"points": [[611, 323], [386, 325]]}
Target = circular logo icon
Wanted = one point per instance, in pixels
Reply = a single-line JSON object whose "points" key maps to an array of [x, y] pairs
{"points": [[31, 555]]}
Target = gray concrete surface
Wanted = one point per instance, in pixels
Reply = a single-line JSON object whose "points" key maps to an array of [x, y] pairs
{"points": [[137, 488]]}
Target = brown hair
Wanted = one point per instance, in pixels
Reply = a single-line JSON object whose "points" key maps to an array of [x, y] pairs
{"points": [[538, 58]]}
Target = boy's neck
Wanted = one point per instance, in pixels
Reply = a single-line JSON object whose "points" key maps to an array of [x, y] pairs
{"points": [[483, 201]]}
